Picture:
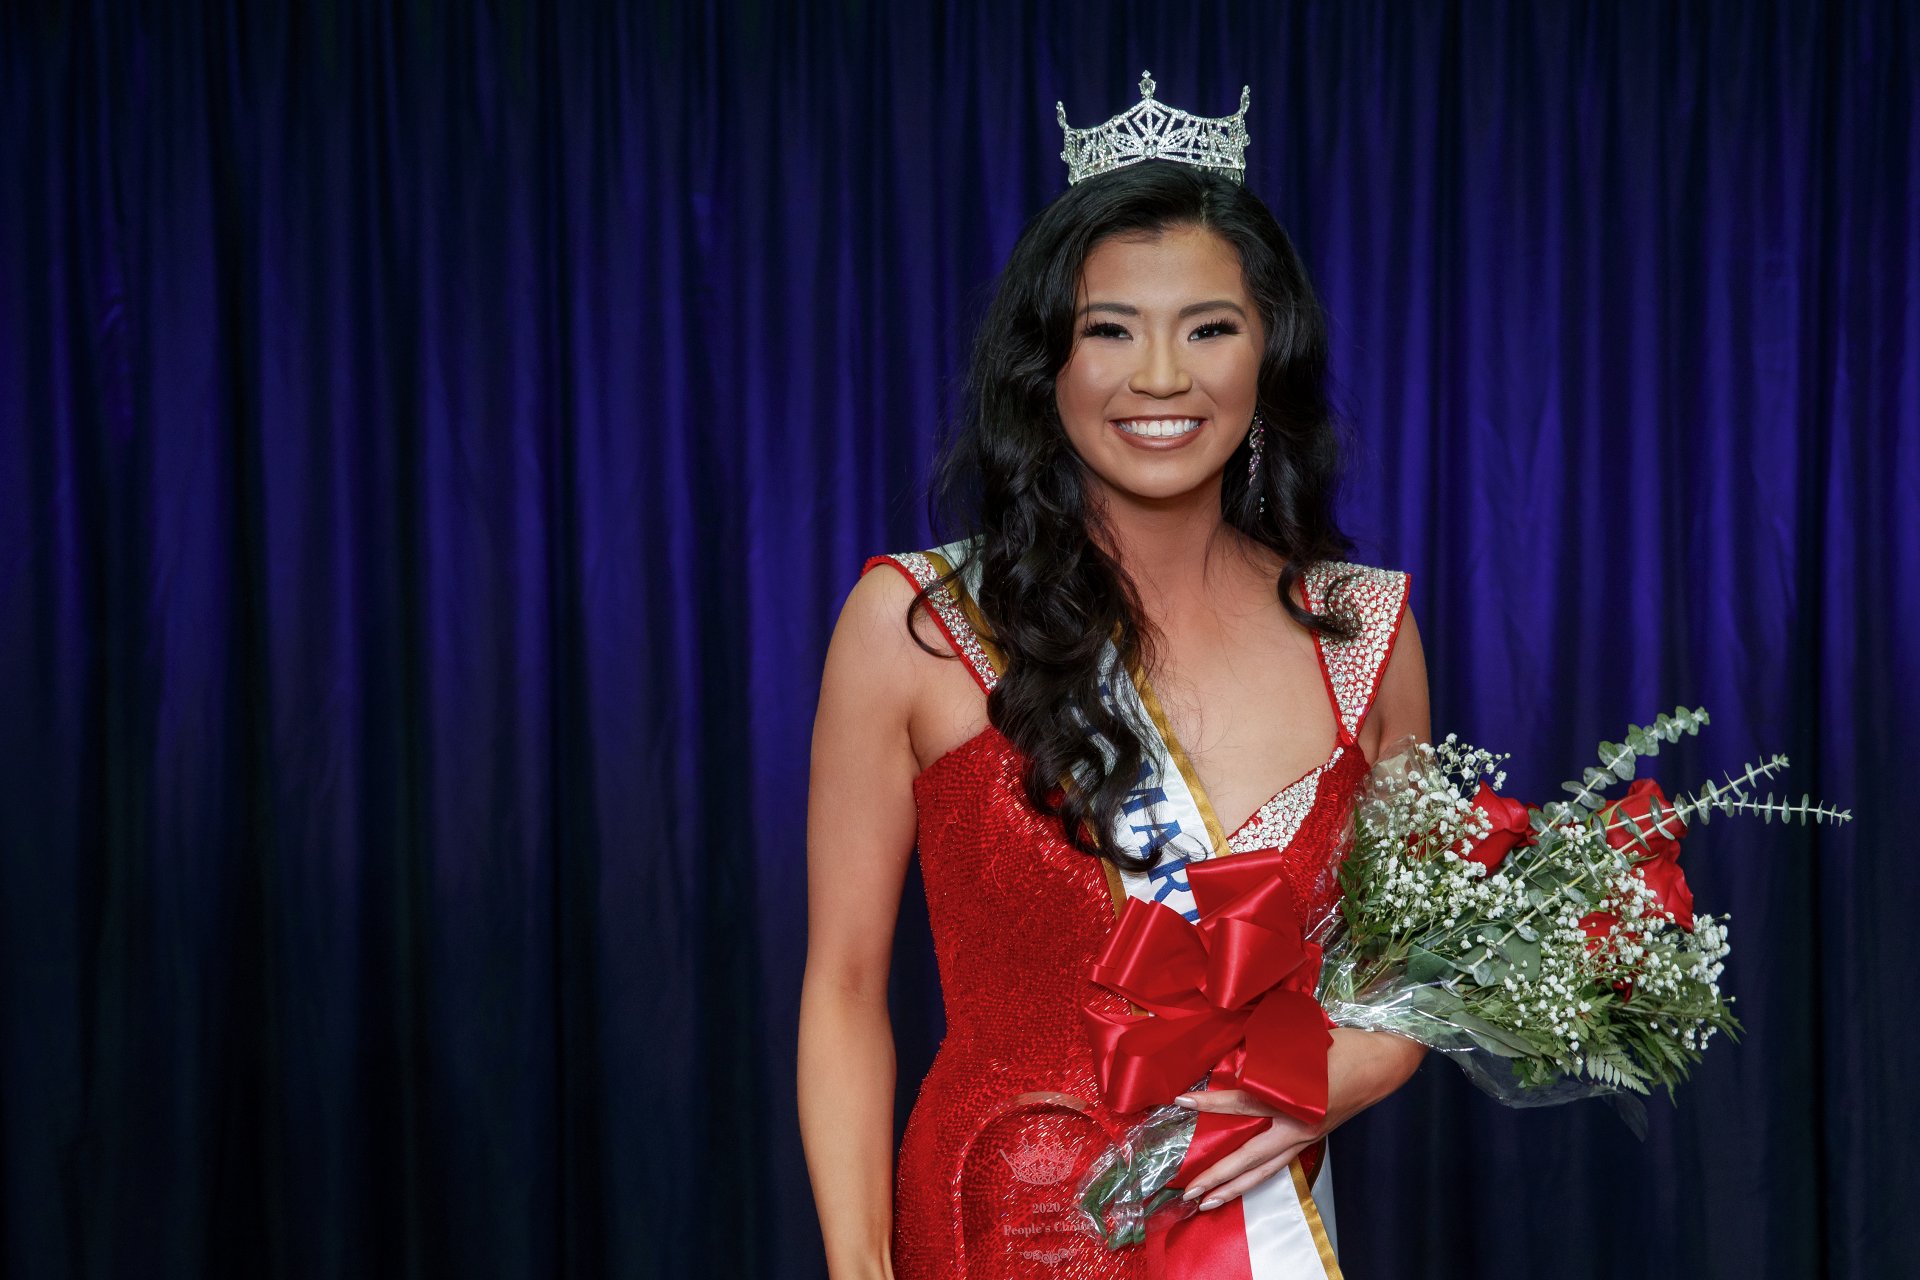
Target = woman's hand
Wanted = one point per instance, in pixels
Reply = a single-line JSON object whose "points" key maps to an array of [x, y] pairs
{"points": [[1362, 1068]]}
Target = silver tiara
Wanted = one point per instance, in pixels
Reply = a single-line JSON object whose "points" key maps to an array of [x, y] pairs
{"points": [[1149, 130]]}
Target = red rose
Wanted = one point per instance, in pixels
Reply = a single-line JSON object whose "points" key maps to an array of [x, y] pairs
{"points": [[1669, 885], [1659, 861], [1598, 925], [1510, 827]]}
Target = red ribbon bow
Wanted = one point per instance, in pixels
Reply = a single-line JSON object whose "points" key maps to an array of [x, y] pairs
{"points": [[1234, 993]]}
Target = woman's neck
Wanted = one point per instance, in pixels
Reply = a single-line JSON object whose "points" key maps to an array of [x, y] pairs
{"points": [[1177, 550]]}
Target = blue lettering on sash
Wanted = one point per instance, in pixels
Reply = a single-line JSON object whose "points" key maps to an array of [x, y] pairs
{"points": [[1171, 876], [1168, 874], [1144, 794], [1144, 799], [1158, 836]]}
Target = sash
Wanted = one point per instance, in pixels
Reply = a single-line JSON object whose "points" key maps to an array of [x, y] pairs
{"points": [[1276, 1231]]}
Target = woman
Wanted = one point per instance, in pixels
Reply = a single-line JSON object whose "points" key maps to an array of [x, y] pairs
{"points": [[1128, 513]]}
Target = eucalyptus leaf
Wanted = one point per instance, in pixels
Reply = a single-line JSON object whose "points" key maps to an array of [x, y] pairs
{"points": [[1424, 966], [1619, 758], [1490, 970], [1436, 1002], [1495, 1039], [1548, 876]]}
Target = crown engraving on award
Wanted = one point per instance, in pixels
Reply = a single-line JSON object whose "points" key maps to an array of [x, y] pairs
{"points": [[1150, 130]]}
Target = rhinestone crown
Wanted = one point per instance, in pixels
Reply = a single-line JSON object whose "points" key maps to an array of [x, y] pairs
{"points": [[1150, 130]]}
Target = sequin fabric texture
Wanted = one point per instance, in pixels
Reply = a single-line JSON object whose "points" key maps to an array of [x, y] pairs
{"points": [[1010, 1111]]}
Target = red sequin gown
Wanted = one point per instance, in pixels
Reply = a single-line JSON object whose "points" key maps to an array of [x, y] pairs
{"points": [[1010, 1110]]}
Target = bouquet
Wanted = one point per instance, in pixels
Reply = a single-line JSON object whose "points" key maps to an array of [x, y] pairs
{"points": [[1553, 952]]}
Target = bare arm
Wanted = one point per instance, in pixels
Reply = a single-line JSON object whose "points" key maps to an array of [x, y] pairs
{"points": [[1400, 706], [860, 834]]}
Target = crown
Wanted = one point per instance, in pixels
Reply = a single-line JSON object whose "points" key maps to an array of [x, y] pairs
{"points": [[1149, 130]]}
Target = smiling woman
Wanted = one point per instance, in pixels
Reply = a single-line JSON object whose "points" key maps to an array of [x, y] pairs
{"points": [[1160, 388], [1152, 596]]}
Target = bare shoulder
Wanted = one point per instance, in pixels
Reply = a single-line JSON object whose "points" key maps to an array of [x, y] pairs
{"points": [[877, 605], [870, 659], [873, 626]]}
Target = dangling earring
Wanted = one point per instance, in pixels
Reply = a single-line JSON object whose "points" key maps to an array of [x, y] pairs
{"points": [[1256, 444]]}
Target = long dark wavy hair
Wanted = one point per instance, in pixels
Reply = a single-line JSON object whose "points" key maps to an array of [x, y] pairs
{"points": [[1050, 596]]}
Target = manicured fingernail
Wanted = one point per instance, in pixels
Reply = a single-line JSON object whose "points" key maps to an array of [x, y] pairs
{"points": [[1184, 1101], [1209, 1204], [1190, 1193]]}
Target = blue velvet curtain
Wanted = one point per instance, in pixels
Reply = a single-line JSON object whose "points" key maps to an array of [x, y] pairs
{"points": [[435, 440]]}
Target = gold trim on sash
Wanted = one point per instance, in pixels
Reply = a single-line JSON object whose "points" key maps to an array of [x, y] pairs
{"points": [[1202, 801], [1314, 1224], [1216, 835], [1151, 701], [1117, 890]]}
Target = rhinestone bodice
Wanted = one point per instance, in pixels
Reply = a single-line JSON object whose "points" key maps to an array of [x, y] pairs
{"points": [[1010, 1107]]}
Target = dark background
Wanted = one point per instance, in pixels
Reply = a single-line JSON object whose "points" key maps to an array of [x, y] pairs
{"points": [[435, 440]]}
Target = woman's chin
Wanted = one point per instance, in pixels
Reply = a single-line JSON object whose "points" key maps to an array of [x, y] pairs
{"points": [[1162, 492]]}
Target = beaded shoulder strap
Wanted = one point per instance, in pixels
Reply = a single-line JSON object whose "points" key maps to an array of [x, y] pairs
{"points": [[1375, 596], [952, 608]]}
